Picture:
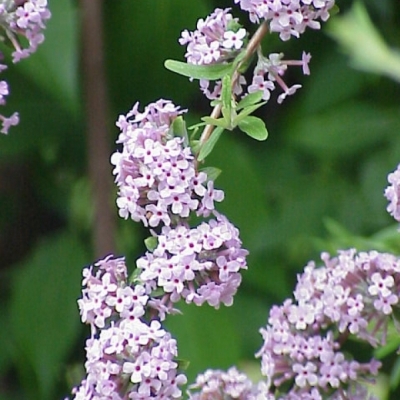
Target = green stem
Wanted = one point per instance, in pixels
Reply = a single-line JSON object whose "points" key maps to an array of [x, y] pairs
{"points": [[251, 48]]}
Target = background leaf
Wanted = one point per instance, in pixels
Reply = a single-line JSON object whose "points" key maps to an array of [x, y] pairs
{"points": [[43, 314]]}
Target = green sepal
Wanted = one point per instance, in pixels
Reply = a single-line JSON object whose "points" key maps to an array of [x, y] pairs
{"points": [[254, 127], [210, 72], [250, 99], [212, 173], [208, 146], [151, 243]]}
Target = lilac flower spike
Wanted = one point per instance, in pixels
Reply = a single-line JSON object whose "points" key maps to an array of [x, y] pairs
{"points": [[217, 39], [129, 354], [288, 17], [155, 172], [352, 295], [231, 384], [27, 19], [215, 43], [199, 265]]}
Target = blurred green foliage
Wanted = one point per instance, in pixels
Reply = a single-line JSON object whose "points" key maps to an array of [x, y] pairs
{"points": [[316, 184]]}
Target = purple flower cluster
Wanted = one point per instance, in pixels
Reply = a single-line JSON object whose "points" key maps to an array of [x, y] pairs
{"points": [[217, 39], [231, 384], [214, 42], [288, 17], [352, 295], [392, 193], [199, 265], [20, 18], [269, 71], [129, 356], [155, 172]]}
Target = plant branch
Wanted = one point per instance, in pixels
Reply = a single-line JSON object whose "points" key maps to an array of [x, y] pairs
{"points": [[251, 48]]}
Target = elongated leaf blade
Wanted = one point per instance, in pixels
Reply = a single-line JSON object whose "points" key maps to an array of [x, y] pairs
{"points": [[250, 99], [216, 122], [254, 127], [245, 112], [208, 146], [212, 172], [210, 72]]}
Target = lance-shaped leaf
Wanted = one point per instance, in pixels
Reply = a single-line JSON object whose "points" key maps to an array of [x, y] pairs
{"points": [[208, 146], [246, 112], [221, 122], [250, 99], [227, 109], [254, 127], [210, 72], [178, 128], [212, 173]]}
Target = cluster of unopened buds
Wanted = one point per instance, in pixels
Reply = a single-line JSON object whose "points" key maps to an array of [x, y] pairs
{"points": [[353, 296], [22, 23]]}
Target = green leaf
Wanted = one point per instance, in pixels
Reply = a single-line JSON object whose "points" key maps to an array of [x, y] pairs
{"points": [[196, 126], [212, 173], [197, 329], [395, 375], [151, 243], [221, 122], [58, 75], [226, 92], [195, 146], [208, 146], [44, 316], [210, 72], [134, 275], [359, 38], [250, 99], [245, 112], [178, 129], [254, 127]]}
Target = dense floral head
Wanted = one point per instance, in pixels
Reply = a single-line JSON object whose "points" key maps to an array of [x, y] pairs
{"points": [[218, 40], [354, 295], [22, 23], [231, 384], [288, 17], [200, 265], [156, 171], [129, 354]]}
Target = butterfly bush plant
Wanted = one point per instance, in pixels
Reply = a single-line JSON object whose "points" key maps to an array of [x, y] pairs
{"points": [[194, 253]]}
